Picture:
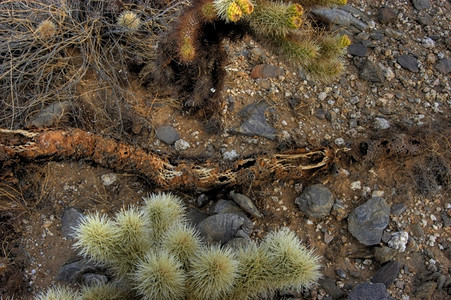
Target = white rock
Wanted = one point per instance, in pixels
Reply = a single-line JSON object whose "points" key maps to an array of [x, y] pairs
{"points": [[108, 179], [399, 241], [230, 155], [181, 145], [356, 185]]}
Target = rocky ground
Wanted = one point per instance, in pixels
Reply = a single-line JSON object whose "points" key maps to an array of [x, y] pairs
{"points": [[380, 218]]}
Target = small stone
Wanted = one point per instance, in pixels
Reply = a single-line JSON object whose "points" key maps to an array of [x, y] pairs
{"points": [[266, 71], [356, 185], [256, 122], [328, 284], [421, 4], [398, 208], [357, 50], [221, 227], [387, 15], [328, 238], [444, 66], [384, 254], [315, 201], [181, 145], [322, 96], [369, 71], [108, 179], [167, 134], [51, 115], [381, 123], [369, 291], [339, 141], [400, 284], [408, 62], [387, 273], [417, 230], [230, 155], [246, 204], [69, 221], [399, 241], [368, 221], [202, 200], [446, 220], [341, 274]]}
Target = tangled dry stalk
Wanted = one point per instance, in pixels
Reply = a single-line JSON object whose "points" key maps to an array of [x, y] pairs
{"points": [[53, 51]]}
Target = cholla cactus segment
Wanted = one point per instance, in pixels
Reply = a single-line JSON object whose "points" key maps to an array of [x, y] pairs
{"points": [[102, 291], [58, 293], [291, 264], [324, 69], [162, 211], [187, 31], [233, 10], [321, 2], [132, 239], [129, 20], [96, 238], [332, 46], [296, 50], [275, 19], [212, 274], [253, 264], [46, 30], [159, 275], [183, 242], [208, 10]]}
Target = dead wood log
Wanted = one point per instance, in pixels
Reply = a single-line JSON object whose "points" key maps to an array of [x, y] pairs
{"points": [[78, 144]]}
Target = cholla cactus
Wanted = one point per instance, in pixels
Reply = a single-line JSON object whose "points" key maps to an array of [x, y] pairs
{"points": [[46, 30], [129, 20], [191, 58], [155, 254]]}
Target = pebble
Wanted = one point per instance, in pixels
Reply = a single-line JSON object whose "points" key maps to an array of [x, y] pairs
{"points": [[384, 254], [387, 15], [108, 179], [357, 50], [399, 241], [369, 291], [369, 71], [339, 17], [167, 134], [266, 71], [256, 122], [328, 284], [181, 145], [246, 204], [69, 221], [381, 123], [51, 115], [221, 227], [387, 273], [398, 209], [230, 155], [356, 185], [421, 4], [444, 66], [315, 201], [368, 221], [339, 141], [409, 62], [341, 274]]}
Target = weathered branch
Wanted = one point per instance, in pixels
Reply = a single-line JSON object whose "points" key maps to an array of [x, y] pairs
{"points": [[78, 144]]}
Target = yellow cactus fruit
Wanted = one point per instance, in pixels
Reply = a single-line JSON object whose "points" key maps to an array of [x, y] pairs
{"points": [[296, 10], [129, 20], [234, 12], [246, 6], [46, 30]]}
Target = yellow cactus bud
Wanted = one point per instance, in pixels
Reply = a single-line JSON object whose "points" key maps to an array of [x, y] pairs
{"points": [[246, 6], [344, 41], [234, 12]]}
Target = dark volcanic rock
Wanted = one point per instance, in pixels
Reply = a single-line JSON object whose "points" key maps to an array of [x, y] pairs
{"points": [[315, 201], [421, 4], [368, 221], [222, 227], [369, 71], [387, 15], [167, 134], [357, 50], [387, 273], [444, 66], [369, 291], [256, 122], [70, 220], [408, 62]]}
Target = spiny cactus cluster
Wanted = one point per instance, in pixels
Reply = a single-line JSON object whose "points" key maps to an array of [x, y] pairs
{"points": [[191, 56], [155, 254]]}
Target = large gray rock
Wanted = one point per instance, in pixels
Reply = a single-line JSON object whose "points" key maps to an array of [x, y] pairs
{"points": [[387, 273], [421, 4], [369, 291], [409, 62], [369, 71], [167, 134], [368, 221], [69, 221], [256, 122], [221, 228], [315, 201]]}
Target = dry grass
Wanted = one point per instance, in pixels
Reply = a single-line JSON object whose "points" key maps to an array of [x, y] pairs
{"points": [[50, 49]]}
